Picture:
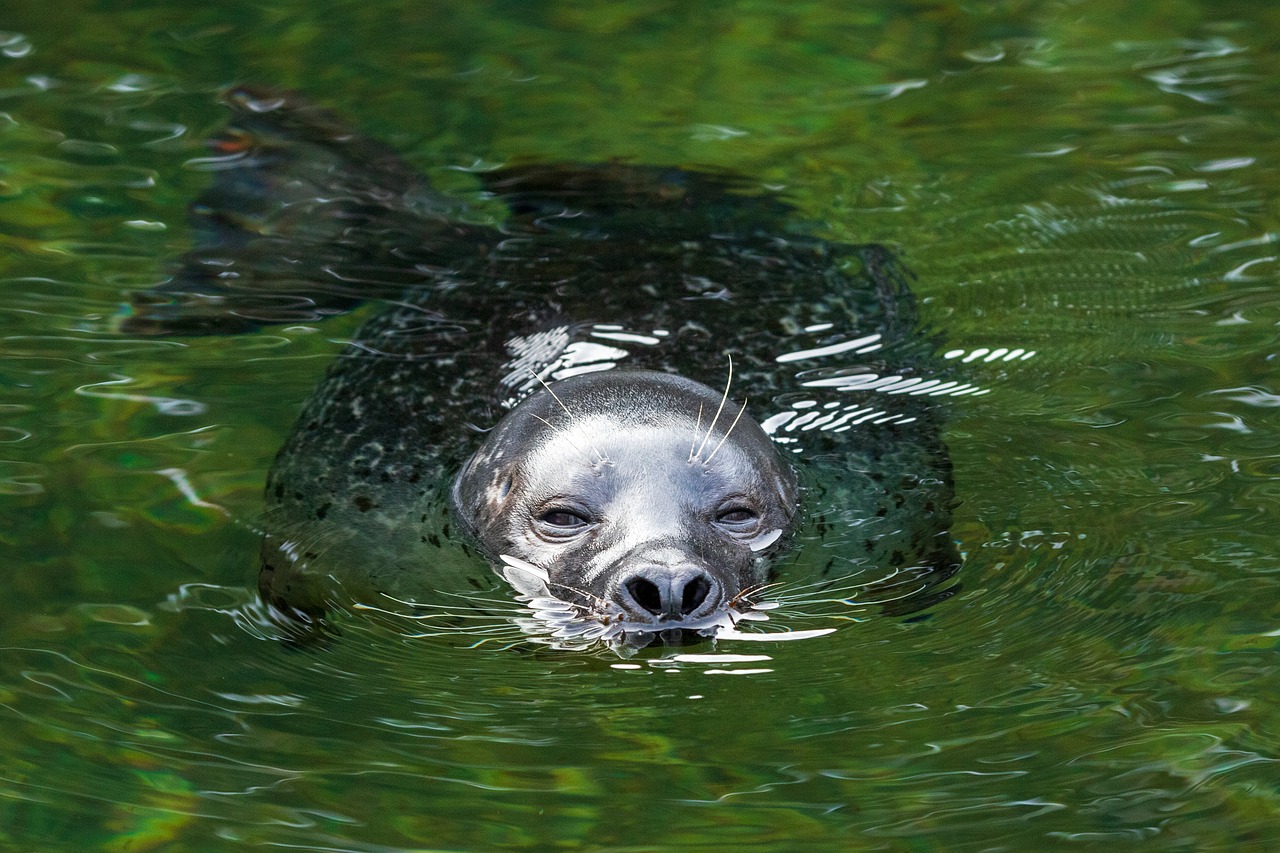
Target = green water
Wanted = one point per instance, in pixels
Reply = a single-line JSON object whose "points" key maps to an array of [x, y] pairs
{"points": [[1093, 182]]}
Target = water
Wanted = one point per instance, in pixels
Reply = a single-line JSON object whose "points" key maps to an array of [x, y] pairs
{"points": [[1093, 183]]}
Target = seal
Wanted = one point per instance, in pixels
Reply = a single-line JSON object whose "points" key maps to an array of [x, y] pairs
{"points": [[532, 392]]}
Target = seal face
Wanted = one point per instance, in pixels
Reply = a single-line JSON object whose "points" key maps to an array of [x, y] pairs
{"points": [[633, 496]]}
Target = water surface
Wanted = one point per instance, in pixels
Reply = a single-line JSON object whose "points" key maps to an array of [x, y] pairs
{"points": [[1091, 183]]}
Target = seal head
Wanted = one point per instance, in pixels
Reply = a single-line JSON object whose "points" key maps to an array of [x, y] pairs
{"points": [[643, 500]]}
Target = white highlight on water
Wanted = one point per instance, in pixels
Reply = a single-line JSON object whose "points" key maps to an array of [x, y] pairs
{"points": [[868, 342]]}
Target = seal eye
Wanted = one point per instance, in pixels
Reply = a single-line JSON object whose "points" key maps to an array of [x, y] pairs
{"points": [[737, 517], [563, 520]]}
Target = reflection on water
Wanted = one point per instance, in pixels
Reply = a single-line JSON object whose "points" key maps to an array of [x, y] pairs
{"points": [[1086, 200]]}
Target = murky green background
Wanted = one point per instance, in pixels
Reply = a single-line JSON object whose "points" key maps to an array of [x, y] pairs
{"points": [[1094, 181]]}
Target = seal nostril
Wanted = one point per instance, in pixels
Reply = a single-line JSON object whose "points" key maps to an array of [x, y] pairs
{"points": [[646, 593], [695, 592], [670, 594]]}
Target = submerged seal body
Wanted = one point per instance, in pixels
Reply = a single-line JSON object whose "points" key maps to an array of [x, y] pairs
{"points": [[540, 391]]}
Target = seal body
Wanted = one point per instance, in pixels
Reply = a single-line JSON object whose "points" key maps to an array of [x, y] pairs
{"points": [[538, 396]]}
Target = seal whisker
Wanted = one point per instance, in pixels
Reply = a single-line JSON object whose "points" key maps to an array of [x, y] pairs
{"points": [[497, 633], [914, 591], [750, 591], [496, 630], [471, 599], [442, 614], [572, 444], [841, 593], [697, 427], [829, 584], [790, 593], [727, 433], [602, 602], [603, 459], [719, 409]]}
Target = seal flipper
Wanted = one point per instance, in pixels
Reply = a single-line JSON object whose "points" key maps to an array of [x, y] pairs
{"points": [[304, 218]]}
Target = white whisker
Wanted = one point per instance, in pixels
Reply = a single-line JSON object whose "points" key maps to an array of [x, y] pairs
{"points": [[585, 455], [727, 433], [444, 614], [827, 585], [719, 409], [603, 459], [697, 427], [916, 591]]}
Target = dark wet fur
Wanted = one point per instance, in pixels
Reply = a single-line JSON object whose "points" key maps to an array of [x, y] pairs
{"points": [[706, 256]]}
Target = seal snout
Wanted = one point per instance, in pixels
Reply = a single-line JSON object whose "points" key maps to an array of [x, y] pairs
{"points": [[669, 593]]}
